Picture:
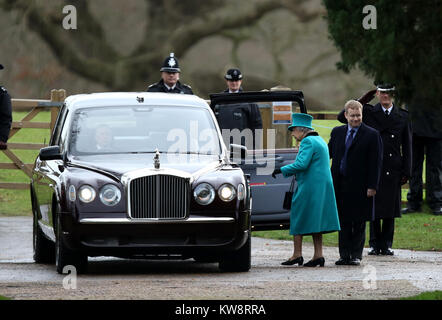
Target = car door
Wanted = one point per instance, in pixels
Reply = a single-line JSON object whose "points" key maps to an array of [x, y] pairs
{"points": [[267, 192]]}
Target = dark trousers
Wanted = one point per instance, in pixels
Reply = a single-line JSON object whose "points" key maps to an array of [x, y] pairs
{"points": [[351, 239], [432, 148], [381, 236]]}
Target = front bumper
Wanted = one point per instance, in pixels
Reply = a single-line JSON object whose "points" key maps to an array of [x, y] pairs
{"points": [[124, 237]]}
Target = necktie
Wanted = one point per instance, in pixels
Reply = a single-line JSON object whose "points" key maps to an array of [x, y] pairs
{"points": [[348, 143], [386, 113]]}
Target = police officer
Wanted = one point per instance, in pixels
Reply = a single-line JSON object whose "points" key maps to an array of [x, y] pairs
{"points": [[427, 145], [170, 75], [234, 80], [5, 116], [240, 115], [394, 127]]}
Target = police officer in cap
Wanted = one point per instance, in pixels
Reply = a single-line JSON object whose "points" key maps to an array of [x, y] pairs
{"points": [[240, 115], [170, 75], [5, 116], [233, 79], [394, 127]]}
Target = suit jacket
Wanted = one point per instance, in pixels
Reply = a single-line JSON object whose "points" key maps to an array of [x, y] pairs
{"points": [[364, 159], [395, 131]]}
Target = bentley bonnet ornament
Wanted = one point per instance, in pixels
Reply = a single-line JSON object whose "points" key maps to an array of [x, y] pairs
{"points": [[156, 159]]}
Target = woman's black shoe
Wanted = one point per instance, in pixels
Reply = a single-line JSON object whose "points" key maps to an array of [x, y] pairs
{"points": [[290, 262], [317, 262]]}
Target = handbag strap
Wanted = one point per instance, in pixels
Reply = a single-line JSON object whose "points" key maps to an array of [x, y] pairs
{"points": [[292, 185]]}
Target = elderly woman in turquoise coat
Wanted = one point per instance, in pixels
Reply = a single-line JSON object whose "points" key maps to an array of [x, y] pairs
{"points": [[313, 211]]}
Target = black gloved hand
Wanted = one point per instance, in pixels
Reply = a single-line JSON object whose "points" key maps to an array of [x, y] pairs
{"points": [[3, 145], [275, 172]]}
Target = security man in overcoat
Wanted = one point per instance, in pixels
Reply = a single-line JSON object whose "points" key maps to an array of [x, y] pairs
{"points": [[240, 115], [170, 75], [394, 127], [426, 125], [5, 116]]}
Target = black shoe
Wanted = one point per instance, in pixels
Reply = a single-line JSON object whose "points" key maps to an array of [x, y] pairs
{"points": [[354, 262], [373, 252], [387, 252], [290, 262], [317, 262], [410, 210], [437, 212], [342, 262]]}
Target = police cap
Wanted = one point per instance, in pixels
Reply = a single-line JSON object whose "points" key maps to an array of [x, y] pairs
{"points": [[233, 75], [170, 64], [385, 87]]}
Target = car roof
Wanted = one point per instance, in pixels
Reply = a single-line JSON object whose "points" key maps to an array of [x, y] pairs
{"points": [[110, 99]]}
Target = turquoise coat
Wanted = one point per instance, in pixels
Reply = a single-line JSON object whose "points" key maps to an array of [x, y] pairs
{"points": [[314, 207]]}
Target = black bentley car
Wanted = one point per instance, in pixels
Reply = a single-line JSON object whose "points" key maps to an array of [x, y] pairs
{"points": [[139, 175]]}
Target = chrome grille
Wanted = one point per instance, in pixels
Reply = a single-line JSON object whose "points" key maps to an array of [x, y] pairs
{"points": [[159, 197]]}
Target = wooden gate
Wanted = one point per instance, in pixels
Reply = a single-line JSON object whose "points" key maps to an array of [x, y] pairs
{"points": [[34, 107]]}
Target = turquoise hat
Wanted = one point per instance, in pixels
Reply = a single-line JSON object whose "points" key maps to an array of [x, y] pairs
{"points": [[301, 120]]}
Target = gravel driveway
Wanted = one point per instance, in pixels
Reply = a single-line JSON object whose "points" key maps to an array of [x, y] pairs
{"points": [[406, 273]]}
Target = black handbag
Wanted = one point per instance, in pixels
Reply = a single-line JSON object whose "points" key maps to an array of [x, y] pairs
{"points": [[287, 205]]}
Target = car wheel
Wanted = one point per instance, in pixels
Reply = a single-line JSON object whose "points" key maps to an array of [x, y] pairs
{"points": [[43, 247], [240, 260], [64, 256]]}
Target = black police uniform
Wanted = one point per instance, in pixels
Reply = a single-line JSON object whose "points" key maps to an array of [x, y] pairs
{"points": [[161, 87], [5, 113], [170, 65], [395, 131], [427, 141], [240, 115]]}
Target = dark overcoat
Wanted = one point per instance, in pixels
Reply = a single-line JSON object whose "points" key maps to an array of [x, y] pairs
{"points": [[5, 114], [179, 88], [363, 166], [395, 131]]}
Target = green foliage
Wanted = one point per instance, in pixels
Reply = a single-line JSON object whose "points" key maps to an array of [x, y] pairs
{"points": [[404, 49], [432, 295]]}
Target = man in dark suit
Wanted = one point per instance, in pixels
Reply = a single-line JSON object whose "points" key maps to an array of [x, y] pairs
{"points": [[356, 151], [170, 76], [395, 130], [5, 116]]}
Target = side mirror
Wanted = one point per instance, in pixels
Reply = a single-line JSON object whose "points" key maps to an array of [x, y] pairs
{"points": [[50, 153], [238, 152]]}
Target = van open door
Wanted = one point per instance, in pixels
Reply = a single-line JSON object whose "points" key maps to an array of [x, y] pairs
{"points": [[272, 147]]}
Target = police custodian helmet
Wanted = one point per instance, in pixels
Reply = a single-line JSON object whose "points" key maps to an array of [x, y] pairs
{"points": [[1, 67], [170, 64], [233, 75]]}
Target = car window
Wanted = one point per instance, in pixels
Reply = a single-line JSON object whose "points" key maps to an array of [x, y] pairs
{"points": [[143, 129], [59, 125]]}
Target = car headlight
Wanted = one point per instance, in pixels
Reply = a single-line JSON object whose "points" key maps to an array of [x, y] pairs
{"points": [[110, 195], [241, 192], [204, 194], [227, 192], [86, 194]]}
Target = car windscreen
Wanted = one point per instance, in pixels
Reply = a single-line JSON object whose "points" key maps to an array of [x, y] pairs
{"points": [[144, 129]]}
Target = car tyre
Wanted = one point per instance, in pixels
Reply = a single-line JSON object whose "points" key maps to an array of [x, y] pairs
{"points": [[65, 256], [43, 248], [239, 260]]}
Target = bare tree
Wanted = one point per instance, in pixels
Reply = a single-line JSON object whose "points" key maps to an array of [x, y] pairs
{"points": [[171, 25]]}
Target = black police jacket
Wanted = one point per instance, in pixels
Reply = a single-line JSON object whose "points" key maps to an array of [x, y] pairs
{"points": [[5, 114], [161, 87]]}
